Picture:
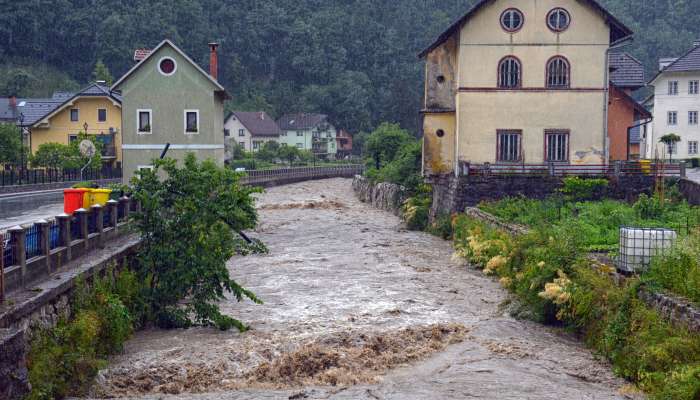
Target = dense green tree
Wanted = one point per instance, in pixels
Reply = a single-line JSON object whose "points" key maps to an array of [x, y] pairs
{"points": [[289, 153], [52, 155], [101, 73], [10, 143], [187, 223], [383, 144]]}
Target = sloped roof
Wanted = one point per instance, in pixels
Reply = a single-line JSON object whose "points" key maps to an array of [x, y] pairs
{"points": [[618, 30], [290, 122], [626, 71], [259, 123], [221, 90], [690, 61], [36, 110]]}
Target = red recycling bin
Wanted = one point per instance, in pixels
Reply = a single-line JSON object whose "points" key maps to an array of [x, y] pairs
{"points": [[73, 200]]}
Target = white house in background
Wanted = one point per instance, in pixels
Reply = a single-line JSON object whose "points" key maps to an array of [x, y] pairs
{"points": [[677, 105], [309, 132], [251, 130]]}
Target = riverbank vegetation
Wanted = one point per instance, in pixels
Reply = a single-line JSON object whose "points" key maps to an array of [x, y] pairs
{"points": [[556, 283], [188, 223], [394, 156]]}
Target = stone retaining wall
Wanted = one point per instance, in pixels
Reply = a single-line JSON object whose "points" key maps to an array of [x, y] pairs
{"points": [[690, 190], [384, 196]]}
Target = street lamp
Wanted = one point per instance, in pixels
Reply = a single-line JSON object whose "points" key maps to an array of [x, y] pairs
{"points": [[20, 120], [85, 127]]}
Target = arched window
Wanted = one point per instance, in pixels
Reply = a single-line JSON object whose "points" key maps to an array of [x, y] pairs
{"points": [[509, 73], [558, 73]]}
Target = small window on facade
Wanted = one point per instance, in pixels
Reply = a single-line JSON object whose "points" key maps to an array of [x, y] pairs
{"points": [[672, 148], [508, 146], [144, 121], [512, 20], [74, 114], [300, 145], [509, 73], [672, 118], [167, 66], [693, 147], [558, 20], [227, 132], [558, 73], [556, 146], [241, 132], [256, 145], [692, 117], [242, 144], [673, 88], [101, 115], [693, 87], [72, 138], [300, 133], [191, 121]]}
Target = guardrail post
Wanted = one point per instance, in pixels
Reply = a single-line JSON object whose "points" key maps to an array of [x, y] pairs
{"points": [[97, 211], [83, 215], [18, 238], [64, 233], [113, 207], [44, 244], [683, 169], [124, 203]]}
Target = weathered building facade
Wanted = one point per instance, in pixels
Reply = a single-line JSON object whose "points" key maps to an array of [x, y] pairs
{"points": [[168, 98], [516, 82]]}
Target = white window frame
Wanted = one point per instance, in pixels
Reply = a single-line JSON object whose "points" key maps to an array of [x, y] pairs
{"points": [[161, 71], [300, 134], [692, 118], [98, 115], [672, 121], [693, 147], [241, 132], [184, 127], [140, 167], [694, 87], [673, 88], [138, 121]]}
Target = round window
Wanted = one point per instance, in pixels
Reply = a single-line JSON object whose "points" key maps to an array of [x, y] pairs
{"points": [[512, 20], [440, 133], [558, 19], [167, 66]]}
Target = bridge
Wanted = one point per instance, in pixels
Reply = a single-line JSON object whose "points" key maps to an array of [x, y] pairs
{"points": [[356, 307]]}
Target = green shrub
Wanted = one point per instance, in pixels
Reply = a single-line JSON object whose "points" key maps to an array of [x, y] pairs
{"points": [[678, 271], [441, 227], [582, 189], [416, 210]]}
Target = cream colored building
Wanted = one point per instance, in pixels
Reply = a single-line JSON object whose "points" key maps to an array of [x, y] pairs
{"points": [[520, 82]]}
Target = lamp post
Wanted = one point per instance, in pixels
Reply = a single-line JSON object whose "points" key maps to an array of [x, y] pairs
{"points": [[20, 120], [85, 127]]}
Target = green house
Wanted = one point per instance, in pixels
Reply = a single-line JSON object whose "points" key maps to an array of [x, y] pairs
{"points": [[168, 98]]}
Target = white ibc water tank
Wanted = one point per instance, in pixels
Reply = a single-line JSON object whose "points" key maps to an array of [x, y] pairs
{"points": [[639, 245]]}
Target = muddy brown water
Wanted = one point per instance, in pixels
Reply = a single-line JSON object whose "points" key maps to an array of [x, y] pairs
{"points": [[356, 307]]}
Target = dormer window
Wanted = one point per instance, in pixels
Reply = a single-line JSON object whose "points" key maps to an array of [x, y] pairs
{"points": [[167, 66], [558, 20], [512, 20]]}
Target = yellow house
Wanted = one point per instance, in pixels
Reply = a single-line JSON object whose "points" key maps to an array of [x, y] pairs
{"points": [[520, 82], [94, 110]]}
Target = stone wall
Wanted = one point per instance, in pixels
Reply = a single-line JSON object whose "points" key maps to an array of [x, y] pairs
{"points": [[384, 196], [690, 190], [454, 194], [678, 311], [14, 382]]}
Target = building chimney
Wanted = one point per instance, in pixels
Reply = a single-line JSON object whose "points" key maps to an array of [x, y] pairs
{"points": [[262, 116], [214, 61], [13, 101]]}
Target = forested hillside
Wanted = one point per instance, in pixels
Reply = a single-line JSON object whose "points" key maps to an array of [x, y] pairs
{"points": [[353, 59]]}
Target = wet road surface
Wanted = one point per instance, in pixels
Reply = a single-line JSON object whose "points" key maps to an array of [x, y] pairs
{"points": [[357, 308]]}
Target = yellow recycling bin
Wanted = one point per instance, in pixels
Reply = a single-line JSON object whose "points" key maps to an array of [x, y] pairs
{"points": [[96, 196], [645, 166]]}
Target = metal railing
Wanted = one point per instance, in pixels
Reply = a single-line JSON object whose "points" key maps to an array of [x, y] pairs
{"points": [[38, 176], [33, 246], [559, 169], [271, 175]]}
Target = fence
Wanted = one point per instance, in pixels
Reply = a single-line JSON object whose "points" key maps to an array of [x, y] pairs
{"points": [[32, 252], [288, 175], [557, 169], [40, 176]]}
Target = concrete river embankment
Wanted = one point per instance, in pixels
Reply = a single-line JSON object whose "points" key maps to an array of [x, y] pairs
{"points": [[357, 308]]}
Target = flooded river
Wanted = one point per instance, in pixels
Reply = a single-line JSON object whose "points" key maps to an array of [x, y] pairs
{"points": [[356, 307]]}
